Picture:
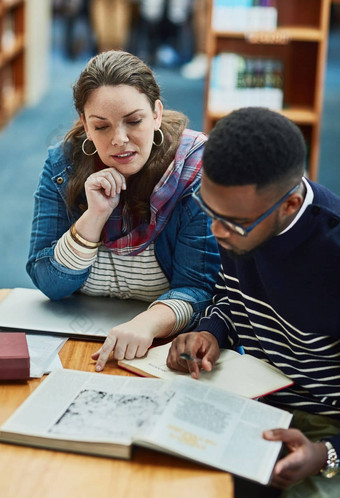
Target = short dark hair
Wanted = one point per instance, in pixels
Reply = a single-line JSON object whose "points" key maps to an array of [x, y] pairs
{"points": [[254, 146]]}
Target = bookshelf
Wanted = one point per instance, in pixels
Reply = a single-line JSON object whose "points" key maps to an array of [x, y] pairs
{"points": [[297, 38], [12, 57]]}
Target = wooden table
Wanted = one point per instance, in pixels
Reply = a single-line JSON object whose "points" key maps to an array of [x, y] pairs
{"points": [[34, 473]]}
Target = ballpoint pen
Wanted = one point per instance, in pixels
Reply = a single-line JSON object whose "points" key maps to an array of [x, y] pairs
{"points": [[188, 357]]}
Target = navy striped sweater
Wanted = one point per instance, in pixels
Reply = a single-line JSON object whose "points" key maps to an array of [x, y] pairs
{"points": [[282, 303]]}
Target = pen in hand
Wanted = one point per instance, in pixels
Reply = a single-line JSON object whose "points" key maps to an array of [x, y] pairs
{"points": [[188, 357], [193, 370]]}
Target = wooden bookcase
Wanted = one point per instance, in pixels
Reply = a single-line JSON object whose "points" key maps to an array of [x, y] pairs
{"points": [[12, 57], [300, 43]]}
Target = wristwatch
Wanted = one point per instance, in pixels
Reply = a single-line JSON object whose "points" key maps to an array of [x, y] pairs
{"points": [[332, 466]]}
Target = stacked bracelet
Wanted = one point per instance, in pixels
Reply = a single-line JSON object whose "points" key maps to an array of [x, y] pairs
{"points": [[81, 241]]}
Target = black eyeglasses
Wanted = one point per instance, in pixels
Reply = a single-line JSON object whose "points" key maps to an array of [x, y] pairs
{"points": [[235, 227]]}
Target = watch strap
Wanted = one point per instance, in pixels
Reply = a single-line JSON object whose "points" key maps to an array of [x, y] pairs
{"points": [[332, 466]]}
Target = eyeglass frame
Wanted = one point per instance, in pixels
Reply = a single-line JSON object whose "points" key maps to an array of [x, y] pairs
{"points": [[235, 227]]}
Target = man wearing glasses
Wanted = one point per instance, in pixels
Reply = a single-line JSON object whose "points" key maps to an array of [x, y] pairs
{"points": [[278, 292]]}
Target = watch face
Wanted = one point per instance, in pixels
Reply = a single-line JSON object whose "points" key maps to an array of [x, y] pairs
{"points": [[330, 472]]}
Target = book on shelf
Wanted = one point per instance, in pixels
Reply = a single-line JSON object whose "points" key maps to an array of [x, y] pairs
{"points": [[241, 374], [78, 316], [244, 15], [8, 37], [108, 415], [237, 81]]}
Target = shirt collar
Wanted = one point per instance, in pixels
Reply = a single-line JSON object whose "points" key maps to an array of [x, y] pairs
{"points": [[309, 197]]}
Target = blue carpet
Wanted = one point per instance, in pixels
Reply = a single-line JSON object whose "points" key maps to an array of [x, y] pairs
{"points": [[24, 142]]}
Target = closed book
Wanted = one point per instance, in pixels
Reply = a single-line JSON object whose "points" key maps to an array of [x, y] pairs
{"points": [[14, 356]]}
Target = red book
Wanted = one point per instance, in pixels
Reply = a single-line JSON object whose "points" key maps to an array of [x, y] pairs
{"points": [[14, 356]]}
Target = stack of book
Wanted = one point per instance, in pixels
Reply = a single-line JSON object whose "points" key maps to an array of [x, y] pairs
{"points": [[244, 15], [238, 81]]}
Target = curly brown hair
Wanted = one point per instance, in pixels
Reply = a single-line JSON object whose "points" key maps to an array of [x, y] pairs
{"points": [[114, 68]]}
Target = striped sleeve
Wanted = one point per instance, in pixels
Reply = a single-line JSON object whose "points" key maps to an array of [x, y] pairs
{"points": [[183, 312], [66, 252]]}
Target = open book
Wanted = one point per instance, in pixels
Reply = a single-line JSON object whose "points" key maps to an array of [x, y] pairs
{"points": [[106, 415], [240, 374], [78, 316]]}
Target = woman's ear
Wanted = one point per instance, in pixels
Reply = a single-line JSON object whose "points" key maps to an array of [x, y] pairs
{"points": [[158, 113], [82, 117]]}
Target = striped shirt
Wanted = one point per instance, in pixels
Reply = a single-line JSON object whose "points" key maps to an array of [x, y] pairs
{"points": [[281, 302], [312, 362], [124, 277]]}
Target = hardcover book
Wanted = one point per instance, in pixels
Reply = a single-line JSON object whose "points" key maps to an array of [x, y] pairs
{"points": [[108, 415], [14, 356]]}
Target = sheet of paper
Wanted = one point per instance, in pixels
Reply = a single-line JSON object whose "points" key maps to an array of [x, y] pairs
{"points": [[54, 364], [43, 350]]}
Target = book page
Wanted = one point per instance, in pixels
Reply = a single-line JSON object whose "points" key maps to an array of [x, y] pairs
{"points": [[240, 374], [87, 406], [219, 429]]}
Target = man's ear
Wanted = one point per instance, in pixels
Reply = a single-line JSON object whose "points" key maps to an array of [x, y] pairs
{"points": [[292, 204]]}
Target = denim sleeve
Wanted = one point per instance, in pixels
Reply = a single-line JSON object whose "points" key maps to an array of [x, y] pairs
{"points": [[50, 220], [189, 256], [218, 319]]}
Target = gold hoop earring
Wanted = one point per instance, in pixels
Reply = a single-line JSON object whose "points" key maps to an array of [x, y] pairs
{"points": [[162, 138], [83, 148]]}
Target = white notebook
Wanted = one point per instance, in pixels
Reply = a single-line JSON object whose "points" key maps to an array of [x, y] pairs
{"points": [[241, 374]]}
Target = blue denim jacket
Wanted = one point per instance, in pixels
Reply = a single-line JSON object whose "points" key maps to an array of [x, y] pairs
{"points": [[186, 249]]}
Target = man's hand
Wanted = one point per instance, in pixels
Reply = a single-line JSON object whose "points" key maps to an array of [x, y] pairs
{"points": [[201, 346], [304, 459]]}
